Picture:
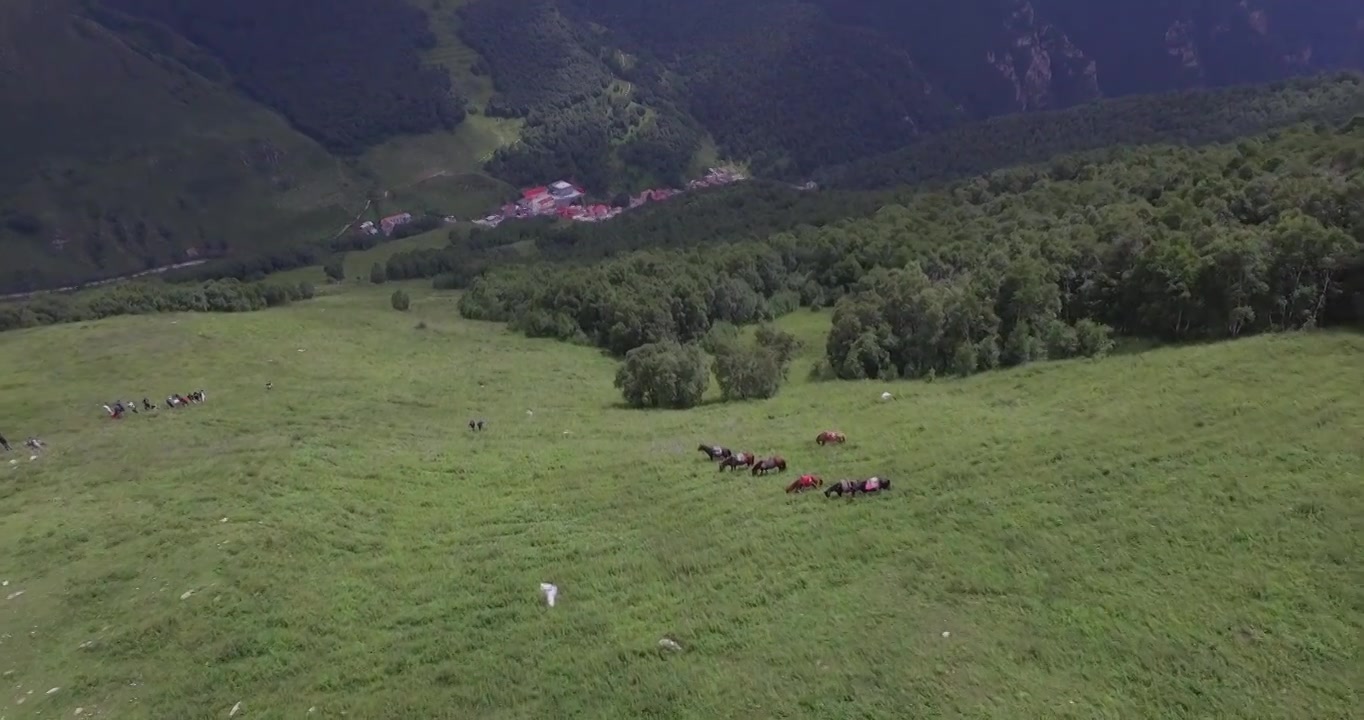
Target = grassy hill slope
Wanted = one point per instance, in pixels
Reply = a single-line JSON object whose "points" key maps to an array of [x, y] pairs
{"points": [[1139, 536], [414, 159], [120, 159]]}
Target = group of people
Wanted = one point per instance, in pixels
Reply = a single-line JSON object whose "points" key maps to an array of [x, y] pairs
{"points": [[119, 408]]}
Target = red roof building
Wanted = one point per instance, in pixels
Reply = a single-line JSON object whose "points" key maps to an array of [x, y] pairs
{"points": [[535, 192]]}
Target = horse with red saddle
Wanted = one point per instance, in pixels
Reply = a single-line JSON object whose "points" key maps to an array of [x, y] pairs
{"points": [[805, 482], [830, 436], [852, 487]]}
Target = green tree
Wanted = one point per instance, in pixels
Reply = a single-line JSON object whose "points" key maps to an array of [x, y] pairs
{"points": [[400, 301], [663, 375], [377, 274], [783, 345], [749, 373]]}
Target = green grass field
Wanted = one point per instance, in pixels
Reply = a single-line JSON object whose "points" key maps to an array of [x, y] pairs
{"points": [[1168, 534]]}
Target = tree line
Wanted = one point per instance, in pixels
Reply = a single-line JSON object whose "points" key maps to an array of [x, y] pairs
{"points": [[147, 297], [1174, 244], [329, 253]]}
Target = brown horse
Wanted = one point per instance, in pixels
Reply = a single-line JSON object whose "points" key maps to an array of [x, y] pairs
{"points": [[775, 462], [737, 460], [715, 452], [830, 436], [805, 482]]}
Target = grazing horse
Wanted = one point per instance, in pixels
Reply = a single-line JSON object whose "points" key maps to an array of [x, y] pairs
{"points": [[476, 425], [805, 482], [738, 460], [715, 452], [830, 436], [852, 487], [775, 462]]}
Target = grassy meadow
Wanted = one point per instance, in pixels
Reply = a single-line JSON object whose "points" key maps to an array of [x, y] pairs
{"points": [[1166, 534]]}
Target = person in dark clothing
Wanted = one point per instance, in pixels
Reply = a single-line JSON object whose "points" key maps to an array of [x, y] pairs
{"points": [[4, 443]]}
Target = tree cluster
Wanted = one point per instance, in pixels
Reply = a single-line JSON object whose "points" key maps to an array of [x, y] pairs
{"points": [[663, 375], [754, 371], [254, 268], [144, 298], [348, 73], [1168, 243]]}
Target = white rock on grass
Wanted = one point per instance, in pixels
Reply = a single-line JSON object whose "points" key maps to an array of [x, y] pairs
{"points": [[669, 644], [235, 709], [186, 594], [53, 690]]}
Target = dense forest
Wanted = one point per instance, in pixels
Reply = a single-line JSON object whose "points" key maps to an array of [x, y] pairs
{"points": [[1194, 117], [791, 87], [1023, 264], [582, 120], [349, 73]]}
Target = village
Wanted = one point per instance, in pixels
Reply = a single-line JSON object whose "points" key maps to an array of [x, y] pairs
{"points": [[564, 200], [567, 201]]}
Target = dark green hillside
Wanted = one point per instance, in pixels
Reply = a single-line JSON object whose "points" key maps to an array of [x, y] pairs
{"points": [[1183, 118], [346, 72], [582, 120], [119, 158]]}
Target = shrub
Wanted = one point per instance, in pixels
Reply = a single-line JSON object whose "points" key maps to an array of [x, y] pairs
{"points": [[721, 338], [335, 268], [749, 373], [781, 343], [1093, 339], [377, 274], [400, 301], [665, 374]]}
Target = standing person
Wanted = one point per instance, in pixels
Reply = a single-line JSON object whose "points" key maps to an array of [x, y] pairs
{"points": [[4, 443]]}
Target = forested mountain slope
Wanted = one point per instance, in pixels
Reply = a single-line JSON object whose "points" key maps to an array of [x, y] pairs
{"points": [[151, 131], [1022, 264], [118, 159], [1190, 117]]}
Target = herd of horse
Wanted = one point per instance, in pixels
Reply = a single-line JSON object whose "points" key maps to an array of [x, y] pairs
{"points": [[731, 460]]}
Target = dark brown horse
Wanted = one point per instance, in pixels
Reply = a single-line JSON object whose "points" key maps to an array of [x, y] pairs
{"points": [[852, 487], [776, 462], [737, 460], [715, 452]]}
